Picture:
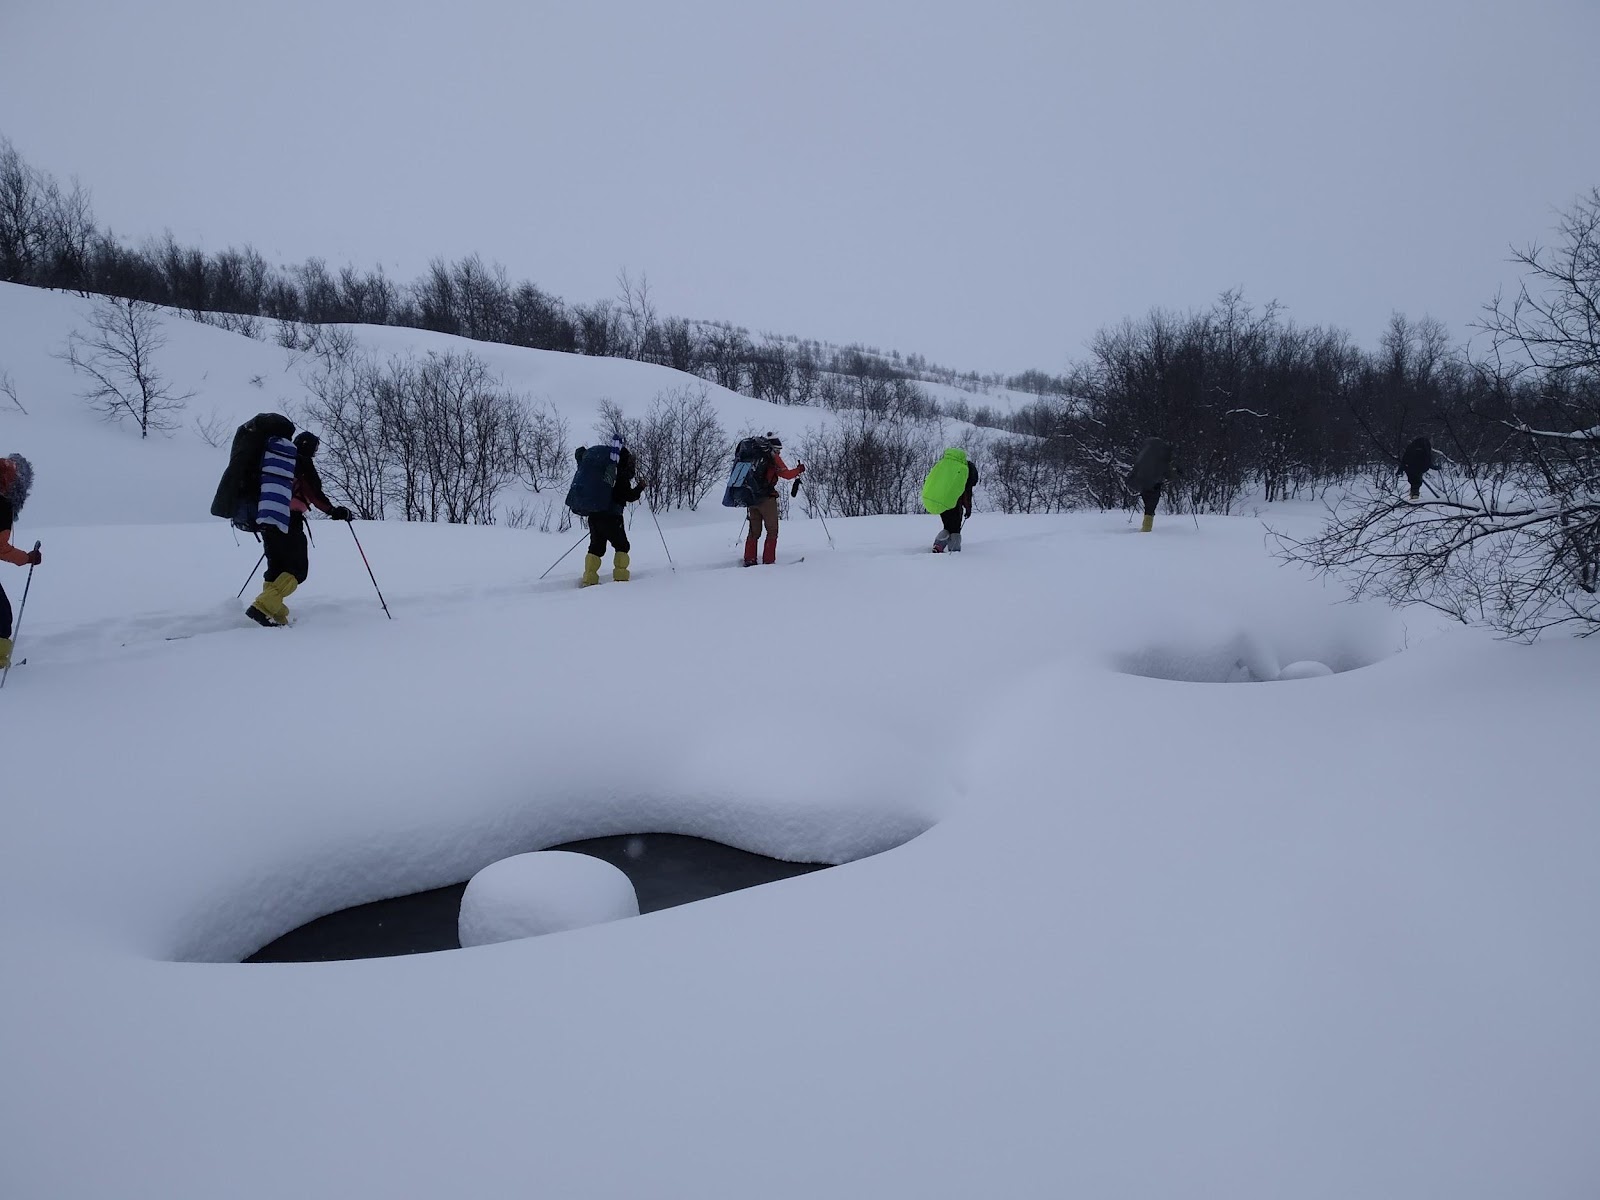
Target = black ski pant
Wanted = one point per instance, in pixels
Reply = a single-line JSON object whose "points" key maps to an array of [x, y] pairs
{"points": [[1151, 498], [607, 527], [952, 519], [5, 615], [287, 551], [1416, 482]]}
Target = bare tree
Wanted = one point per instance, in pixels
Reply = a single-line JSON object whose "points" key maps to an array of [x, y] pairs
{"points": [[1511, 537], [8, 389], [117, 359], [642, 330]]}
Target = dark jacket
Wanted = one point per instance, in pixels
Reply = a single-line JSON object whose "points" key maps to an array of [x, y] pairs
{"points": [[1418, 458], [1151, 468], [965, 503], [308, 487]]}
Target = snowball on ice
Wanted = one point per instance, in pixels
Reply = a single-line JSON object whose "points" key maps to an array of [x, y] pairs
{"points": [[1306, 668], [546, 892]]}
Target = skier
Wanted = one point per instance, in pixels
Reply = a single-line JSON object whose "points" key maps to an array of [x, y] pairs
{"points": [[606, 525], [288, 562], [1416, 462], [16, 477], [1147, 475], [764, 512], [947, 491]]}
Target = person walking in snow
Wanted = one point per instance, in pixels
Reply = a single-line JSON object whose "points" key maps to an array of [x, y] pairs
{"points": [[16, 477], [947, 491], [1416, 462], [1147, 476], [597, 465], [764, 512], [288, 562]]}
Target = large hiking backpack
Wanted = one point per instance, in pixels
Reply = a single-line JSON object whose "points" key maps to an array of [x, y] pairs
{"points": [[593, 488], [21, 483], [750, 481], [1151, 467], [1419, 457], [946, 483], [239, 493]]}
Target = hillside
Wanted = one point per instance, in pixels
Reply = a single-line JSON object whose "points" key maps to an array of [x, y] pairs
{"points": [[1107, 923]]}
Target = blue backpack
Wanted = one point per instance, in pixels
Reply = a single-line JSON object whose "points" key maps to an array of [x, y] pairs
{"points": [[748, 482], [593, 487]]}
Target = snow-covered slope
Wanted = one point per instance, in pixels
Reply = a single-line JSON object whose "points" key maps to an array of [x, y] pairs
{"points": [[94, 473], [1125, 936]]}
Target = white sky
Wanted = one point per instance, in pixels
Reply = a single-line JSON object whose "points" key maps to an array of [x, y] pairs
{"points": [[984, 183]]}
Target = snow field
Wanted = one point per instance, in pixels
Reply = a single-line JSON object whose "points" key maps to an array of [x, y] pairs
{"points": [[1097, 932]]}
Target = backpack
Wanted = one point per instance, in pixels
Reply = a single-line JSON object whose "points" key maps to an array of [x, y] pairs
{"points": [[593, 488], [750, 481], [239, 492], [21, 484], [946, 483], [1151, 467]]}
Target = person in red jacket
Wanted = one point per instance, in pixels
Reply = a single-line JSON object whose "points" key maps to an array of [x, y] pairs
{"points": [[11, 499], [765, 512]]}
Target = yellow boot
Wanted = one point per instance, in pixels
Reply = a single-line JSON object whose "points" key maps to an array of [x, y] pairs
{"points": [[619, 568], [1149, 520], [268, 608], [591, 570], [5, 653]]}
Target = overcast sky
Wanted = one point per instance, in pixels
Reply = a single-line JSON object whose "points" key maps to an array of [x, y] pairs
{"points": [[985, 183]]}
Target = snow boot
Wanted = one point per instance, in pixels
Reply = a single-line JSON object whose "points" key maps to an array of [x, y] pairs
{"points": [[1416, 493], [591, 570], [769, 552], [1149, 520], [955, 542], [5, 653], [750, 552], [270, 603], [619, 568], [941, 541]]}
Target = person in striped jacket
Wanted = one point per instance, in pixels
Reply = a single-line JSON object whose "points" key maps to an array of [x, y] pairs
{"points": [[283, 534]]}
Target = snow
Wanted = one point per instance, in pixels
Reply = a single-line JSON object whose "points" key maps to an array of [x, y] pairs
{"points": [[550, 891], [1305, 669], [1100, 929]]}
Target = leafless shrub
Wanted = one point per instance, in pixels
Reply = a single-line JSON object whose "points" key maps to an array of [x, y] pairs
{"points": [[8, 389], [117, 358]]}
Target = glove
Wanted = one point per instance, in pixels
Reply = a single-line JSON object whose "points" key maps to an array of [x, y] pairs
{"points": [[801, 469], [342, 514], [34, 558]]}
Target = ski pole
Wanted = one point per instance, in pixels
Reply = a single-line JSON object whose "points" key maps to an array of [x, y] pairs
{"points": [[581, 539], [662, 536], [370, 575], [16, 630], [251, 576], [820, 514]]}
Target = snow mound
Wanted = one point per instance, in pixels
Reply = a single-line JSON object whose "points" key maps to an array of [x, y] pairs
{"points": [[1306, 668], [543, 892], [1287, 646]]}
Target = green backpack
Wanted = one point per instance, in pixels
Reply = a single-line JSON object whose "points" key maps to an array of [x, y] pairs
{"points": [[942, 489]]}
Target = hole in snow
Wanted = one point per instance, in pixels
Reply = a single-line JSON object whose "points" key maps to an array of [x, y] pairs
{"points": [[1250, 656], [666, 870]]}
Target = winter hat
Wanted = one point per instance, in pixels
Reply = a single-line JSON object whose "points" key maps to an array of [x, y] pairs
{"points": [[16, 481], [306, 441], [777, 442]]}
